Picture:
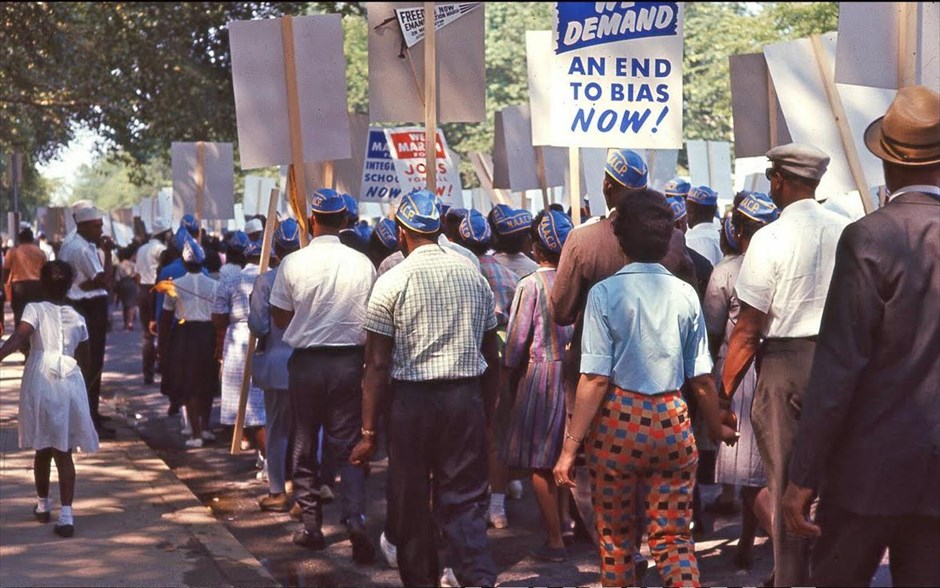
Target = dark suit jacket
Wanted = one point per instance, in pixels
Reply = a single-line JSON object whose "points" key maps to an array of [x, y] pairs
{"points": [[869, 436]]}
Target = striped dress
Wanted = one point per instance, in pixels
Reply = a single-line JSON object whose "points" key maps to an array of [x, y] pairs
{"points": [[537, 425]]}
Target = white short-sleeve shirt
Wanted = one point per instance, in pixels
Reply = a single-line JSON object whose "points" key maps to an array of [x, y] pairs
{"points": [[788, 267], [195, 293], [83, 257], [704, 239]]}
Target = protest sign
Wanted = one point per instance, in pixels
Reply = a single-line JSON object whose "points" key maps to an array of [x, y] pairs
{"points": [[347, 173], [617, 74], [406, 146], [203, 173], [163, 209], [379, 177], [759, 123], [396, 78], [710, 165], [514, 158], [411, 20], [257, 190], [260, 68]]}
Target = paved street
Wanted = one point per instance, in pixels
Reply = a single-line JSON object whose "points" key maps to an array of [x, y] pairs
{"points": [[156, 513]]}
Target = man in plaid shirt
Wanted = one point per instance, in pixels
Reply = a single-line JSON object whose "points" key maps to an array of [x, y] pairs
{"points": [[431, 331]]}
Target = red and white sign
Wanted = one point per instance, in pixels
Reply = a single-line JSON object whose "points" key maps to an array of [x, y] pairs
{"points": [[407, 146]]}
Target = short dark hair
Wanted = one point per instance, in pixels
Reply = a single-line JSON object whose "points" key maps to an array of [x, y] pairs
{"points": [[549, 256], [336, 220], [431, 236], [746, 225], [644, 225], [700, 213], [55, 277], [25, 236]]}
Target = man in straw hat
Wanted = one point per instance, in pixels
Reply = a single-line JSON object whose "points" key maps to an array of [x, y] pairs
{"points": [[869, 437], [782, 287]]}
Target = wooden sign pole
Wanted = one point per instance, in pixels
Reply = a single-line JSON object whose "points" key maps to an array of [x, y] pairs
{"points": [[200, 183], [540, 170], [772, 106], [430, 96], [328, 175], [845, 134], [907, 42], [485, 175], [574, 183], [295, 181], [252, 340]]}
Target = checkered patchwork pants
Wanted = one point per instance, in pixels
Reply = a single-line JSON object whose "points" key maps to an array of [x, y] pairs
{"points": [[639, 439]]}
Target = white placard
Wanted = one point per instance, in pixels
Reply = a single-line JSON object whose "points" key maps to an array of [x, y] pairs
{"points": [[661, 164], [539, 58], [407, 148], [514, 158], [164, 207], [411, 20], [257, 191], [710, 165], [617, 74], [260, 84], [218, 176]]}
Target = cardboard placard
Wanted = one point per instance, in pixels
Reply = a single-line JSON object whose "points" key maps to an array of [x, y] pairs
{"points": [[347, 173], [539, 58], [752, 92], [163, 209], [379, 177], [803, 99], [616, 74], [411, 20], [710, 165], [396, 74], [514, 159], [218, 176], [662, 165], [260, 85], [407, 148], [122, 226], [237, 223], [257, 189], [882, 44]]}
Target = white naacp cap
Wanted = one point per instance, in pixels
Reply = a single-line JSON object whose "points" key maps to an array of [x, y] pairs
{"points": [[87, 213], [254, 226]]}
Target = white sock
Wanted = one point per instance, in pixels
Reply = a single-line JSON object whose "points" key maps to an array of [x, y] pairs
{"points": [[497, 501], [43, 504], [65, 515]]}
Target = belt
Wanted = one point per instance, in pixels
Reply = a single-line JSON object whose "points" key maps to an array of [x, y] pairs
{"points": [[332, 349]]}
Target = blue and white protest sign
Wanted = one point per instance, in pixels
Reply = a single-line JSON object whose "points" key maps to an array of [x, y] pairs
{"points": [[379, 178], [617, 74]]}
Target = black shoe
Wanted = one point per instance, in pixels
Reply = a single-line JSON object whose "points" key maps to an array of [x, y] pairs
{"points": [[362, 547], [42, 517], [173, 410], [148, 380], [311, 539], [64, 530]]}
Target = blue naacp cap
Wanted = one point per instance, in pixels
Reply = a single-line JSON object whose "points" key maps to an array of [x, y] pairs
{"points": [[678, 207], [457, 212], [191, 250], [418, 212], [179, 239], [703, 195], [676, 187], [728, 227], [238, 241], [287, 233], [253, 249], [364, 231], [759, 207], [553, 230], [327, 201], [352, 207], [509, 221], [387, 233], [627, 168], [475, 229], [190, 223]]}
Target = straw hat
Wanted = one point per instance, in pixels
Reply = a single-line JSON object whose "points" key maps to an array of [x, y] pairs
{"points": [[909, 133]]}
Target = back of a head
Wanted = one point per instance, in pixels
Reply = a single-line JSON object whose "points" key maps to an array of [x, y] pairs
{"points": [[25, 236], [55, 277], [644, 225]]}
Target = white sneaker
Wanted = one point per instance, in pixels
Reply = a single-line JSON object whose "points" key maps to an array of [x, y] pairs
{"points": [[208, 436], [389, 551], [448, 579], [514, 489], [496, 517], [194, 443], [263, 474]]}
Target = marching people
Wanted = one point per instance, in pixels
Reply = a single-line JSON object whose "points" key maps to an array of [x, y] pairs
{"points": [[127, 288], [269, 370], [383, 241], [147, 263], [54, 415], [442, 240], [702, 204], [534, 349], [740, 464], [89, 296], [21, 266], [511, 239], [431, 338], [350, 235], [869, 430], [319, 297], [644, 337], [781, 287]]}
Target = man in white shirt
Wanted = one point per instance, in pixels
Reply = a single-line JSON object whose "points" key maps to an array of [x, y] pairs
{"points": [[319, 297], [702, 236], [782, 288], [89, 296], [148, 261]]}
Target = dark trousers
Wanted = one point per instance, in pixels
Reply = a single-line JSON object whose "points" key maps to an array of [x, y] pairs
{"points": [[145, 301], [21, 294], [438, 454], [95, 312], [851, 547], [326, 391]]}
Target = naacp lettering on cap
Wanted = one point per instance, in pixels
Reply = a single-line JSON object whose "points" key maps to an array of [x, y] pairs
{"points": [[676, 187], [553, 230], [702, 195], [418, 212], [327, 201], [627, 168], [511, 221], [387, 233], [474, 228], [678, 207], [759, 207]]}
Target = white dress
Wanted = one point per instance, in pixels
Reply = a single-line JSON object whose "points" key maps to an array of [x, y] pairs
{"points": [[54, 408]]}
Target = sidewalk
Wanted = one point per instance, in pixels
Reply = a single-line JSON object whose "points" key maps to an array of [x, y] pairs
{"points": [[136, 524]]}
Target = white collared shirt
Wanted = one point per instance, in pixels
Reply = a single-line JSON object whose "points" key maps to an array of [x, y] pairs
{"points": [[326, 284], [148, 260], [704, 239], [83, 257], [933, 190], [788, 267], [195, 293]]}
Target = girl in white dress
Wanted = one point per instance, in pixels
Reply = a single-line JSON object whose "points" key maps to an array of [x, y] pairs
{"points": [[54, 416]]}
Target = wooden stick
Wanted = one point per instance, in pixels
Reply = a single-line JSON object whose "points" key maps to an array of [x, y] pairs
{"points": [[200, 183], [414, 76], [430, 97], [297, 186], [842, 123], [486, 177], [252, 340], [574, 183], [908, 35], [328, 181], [540, 170], [772, 106]]}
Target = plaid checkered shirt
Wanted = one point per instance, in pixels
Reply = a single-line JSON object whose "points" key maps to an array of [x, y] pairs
{"points": [[436, 307], [503, 282]]}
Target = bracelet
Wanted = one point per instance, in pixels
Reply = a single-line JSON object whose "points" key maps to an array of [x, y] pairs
{"points": [[575, 439], [367, 432]]}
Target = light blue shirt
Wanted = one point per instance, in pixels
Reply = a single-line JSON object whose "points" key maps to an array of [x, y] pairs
{"points": [[269, 368], [644, 329]]}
